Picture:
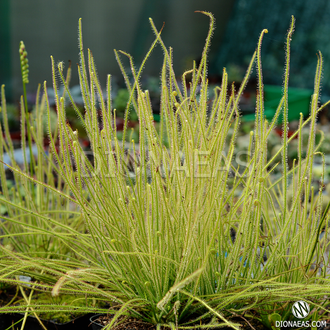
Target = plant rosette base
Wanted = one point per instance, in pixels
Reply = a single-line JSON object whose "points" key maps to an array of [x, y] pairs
{"points": [[100, 321]]}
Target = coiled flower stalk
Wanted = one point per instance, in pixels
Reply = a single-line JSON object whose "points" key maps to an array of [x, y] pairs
{"points": [[24, 63]]}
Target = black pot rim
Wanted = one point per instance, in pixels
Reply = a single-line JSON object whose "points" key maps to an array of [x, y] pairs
{"points": [[95, 316]]}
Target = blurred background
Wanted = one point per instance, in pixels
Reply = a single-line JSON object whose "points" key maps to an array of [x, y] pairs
{"points": [[50, 28]]}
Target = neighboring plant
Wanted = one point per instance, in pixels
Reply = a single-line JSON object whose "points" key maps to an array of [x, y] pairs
{"points": [[12, 117], [190, 238], [26, 203], [32, 216], [120, 104]]}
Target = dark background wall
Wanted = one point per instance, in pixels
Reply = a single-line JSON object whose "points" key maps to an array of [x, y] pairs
{"points": [[312, 31], [50, 28]]}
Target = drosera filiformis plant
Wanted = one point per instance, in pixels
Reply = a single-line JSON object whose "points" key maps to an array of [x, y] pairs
{"points": [[159, 242]]}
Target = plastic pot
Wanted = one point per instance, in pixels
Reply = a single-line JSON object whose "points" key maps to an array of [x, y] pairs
{"points": [[96, 325], [298, 102]]}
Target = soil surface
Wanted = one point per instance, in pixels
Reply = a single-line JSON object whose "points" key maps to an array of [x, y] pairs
{"points": [[7, 293], [135, 324]]}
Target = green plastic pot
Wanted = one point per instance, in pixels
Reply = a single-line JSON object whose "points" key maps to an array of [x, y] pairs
{"points": [[299, 101]]}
